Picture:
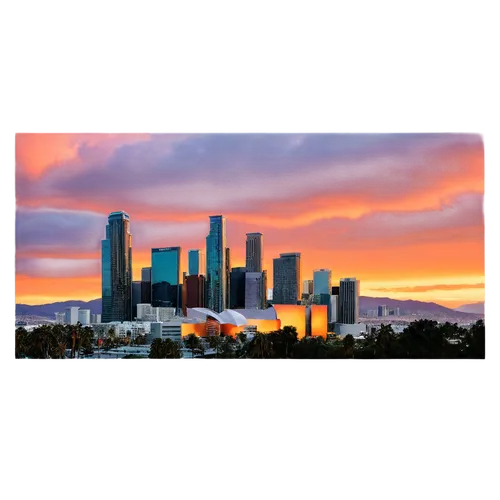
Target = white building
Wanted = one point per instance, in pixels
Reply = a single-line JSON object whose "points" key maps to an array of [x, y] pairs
{"points": [[84, 316], [60, 317], [356, 329], [333, 308], [95, 318], [71, 315]]}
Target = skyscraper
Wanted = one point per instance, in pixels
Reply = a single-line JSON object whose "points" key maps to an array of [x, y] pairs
{"points": [[322, 281], [255, 290], [237, 283], [193, 292], [196, 262], [228, 276], [145, 285], [348, 301], [254, 252], [287, 279], [216, 264], [166, 277], [116, 260]]}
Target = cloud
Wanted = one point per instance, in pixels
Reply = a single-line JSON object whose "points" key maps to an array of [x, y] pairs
{"points": [[58, 268]]}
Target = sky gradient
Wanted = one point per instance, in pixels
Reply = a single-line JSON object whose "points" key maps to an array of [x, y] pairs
{"points": [[403, 213]]}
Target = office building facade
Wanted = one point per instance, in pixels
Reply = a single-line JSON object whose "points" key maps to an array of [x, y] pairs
{"points": [[287, 279], [116, 261], [348, 311], [196, 262], [255, 290], [237, 284], [166, 290], [322, 281], [254, 252], [216, 264], [193, 292]]}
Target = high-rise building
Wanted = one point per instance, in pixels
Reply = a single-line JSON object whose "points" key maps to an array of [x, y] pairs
{"points": [[335, 290], [117, 269], [71, 315], [166, 286], [145, 286], [84, 316], [237, 283], [308, 287], [287, 279], [228, 277], [196, 262], [193, 292], [348, 301], [255, 290], [136, 297], [322, 281], [382, 311], [254, 252], [216, 264]]}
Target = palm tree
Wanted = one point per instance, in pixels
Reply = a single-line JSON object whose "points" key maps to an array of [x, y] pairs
{"points": [[260, 346]]}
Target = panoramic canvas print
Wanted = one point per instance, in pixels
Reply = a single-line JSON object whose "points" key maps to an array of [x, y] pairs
{"points": [[298, 246]]}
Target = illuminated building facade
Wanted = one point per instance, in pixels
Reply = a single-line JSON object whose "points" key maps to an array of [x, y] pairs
{"points": [[216, 264], [287, 279], [116, 269], [254, 252]]}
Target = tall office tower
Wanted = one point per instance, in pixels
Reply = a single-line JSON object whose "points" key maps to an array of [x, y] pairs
{"points": [[287, 277], [116, 263], [255, 290], [322, 281], [145, 286], [196, 262], [237, 283], [255, 252], [382, 311], [166, 288], [136, 297], [335, 290], [71, 315], [216, 264], [308, 287], [193, 292], [348, 301], [228, 277]]}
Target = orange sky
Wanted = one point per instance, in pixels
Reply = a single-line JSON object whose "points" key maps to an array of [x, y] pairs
{"points": [[402, 213]]}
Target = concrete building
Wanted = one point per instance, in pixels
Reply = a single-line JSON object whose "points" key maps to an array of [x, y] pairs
{"points": [[95, 318], [348, 301], [308, 287], [71, 315], [84, 316], [193, 292], [322, 281], [216, 264], [255, 290], [382, 311], [60, 317], [254, 252], [116, 269], [287, 279], [196, 262]]}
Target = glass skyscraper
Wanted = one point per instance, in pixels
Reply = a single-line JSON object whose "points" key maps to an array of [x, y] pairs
{"points": [[322, 281], [348, 301], [196, 262], [216, 264], [166, 277], [286, 278], [116, 262]]}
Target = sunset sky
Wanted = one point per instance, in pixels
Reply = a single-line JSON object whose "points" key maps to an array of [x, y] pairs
{"points": [[403, 213]]}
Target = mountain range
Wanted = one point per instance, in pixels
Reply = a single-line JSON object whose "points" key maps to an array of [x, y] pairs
{"points": [[365, 304]]}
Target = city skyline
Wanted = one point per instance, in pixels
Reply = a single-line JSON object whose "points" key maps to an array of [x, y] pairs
{"points": [[402, 213]]}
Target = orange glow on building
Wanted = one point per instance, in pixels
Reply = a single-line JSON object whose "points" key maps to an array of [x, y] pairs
{"points": [[198, 329], [319, 321], [291, 315], [265, 325], [231, 330]]}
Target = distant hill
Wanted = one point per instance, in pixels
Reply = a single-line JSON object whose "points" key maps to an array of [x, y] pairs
{"points": [[365, 303], [410, 307], [476, 308], [48, 310]]}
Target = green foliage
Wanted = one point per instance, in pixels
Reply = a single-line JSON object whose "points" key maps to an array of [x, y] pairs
{"points": [[166, 348]]}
